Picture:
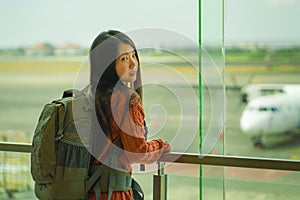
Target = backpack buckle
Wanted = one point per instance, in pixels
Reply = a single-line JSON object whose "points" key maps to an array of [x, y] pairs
{"points": [[59, 136]]}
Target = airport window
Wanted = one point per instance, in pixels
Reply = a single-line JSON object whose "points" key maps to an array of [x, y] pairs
{"points": [[259, 67], [39, 64], [203, 64]]}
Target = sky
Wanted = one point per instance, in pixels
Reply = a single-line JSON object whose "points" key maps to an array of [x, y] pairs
{"points": [[28, 22], [262, 21]]}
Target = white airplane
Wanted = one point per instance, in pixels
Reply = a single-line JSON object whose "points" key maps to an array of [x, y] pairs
{"points": [[251, 91], [272, 119]]}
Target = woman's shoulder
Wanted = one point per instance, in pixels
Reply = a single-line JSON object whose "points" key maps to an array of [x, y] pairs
{"points": [[132, 103], [126, 94], [127, 100]]}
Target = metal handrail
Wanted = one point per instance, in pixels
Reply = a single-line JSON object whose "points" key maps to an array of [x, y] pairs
{"points": [[233, 161], [217, 160], [15, 147]]}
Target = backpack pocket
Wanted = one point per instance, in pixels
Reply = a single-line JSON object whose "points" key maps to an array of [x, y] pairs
{"points": [[43, 158], [71, 171]]}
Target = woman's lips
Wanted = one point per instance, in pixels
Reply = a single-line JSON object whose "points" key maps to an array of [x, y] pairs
{"points": [[132, 73]]}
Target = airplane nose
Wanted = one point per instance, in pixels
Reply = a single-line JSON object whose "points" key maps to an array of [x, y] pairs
{"points": [[251, 124], [246, 125]]}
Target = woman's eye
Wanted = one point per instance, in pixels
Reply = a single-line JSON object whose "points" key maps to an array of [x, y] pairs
{"points": [[124, 58]]}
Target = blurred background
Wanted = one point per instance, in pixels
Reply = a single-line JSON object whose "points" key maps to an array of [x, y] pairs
{"points": [[250, 49]]}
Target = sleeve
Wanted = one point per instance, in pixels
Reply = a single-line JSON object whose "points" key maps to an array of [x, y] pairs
{"points": [[137, 149]]}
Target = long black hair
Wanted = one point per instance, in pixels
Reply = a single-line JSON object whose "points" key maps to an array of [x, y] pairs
{"points": [[103, 76]]}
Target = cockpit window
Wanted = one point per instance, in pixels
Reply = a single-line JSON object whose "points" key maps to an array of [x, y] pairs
{"points": [[262, 109], [274, 109], [265, 109]]}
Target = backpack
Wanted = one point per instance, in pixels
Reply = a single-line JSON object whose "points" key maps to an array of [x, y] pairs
{"points": [[60, 162]]}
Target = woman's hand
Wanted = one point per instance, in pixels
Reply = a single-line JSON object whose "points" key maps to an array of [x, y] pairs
{"points": [[166, 148]]}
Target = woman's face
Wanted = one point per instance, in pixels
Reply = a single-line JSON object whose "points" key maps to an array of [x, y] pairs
{"points": [[126, 63]]}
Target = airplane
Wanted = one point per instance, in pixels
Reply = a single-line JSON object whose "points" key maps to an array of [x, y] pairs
{"points": [[251, 91], [274, 118]]}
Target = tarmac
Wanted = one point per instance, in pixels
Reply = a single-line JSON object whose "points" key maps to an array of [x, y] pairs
{"points": [[239, 183]]}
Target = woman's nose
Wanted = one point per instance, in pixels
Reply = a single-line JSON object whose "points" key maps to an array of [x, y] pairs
{"points": [[133, 62]]}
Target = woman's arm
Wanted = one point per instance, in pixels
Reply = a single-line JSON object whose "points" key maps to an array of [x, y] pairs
{"points": [[130, 120]]}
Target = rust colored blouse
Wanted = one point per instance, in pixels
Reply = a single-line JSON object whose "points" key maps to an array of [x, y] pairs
{"points": [[127, 123]]}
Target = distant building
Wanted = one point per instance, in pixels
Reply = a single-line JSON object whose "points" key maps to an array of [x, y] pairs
{"points": [[46, 49], [39, 50], [68, 50]]}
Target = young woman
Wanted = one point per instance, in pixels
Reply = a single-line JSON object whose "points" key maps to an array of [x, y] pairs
{"points": [[117, 92]]}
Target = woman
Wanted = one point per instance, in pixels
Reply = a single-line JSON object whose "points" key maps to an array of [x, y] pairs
{"points": [[117, 92]]}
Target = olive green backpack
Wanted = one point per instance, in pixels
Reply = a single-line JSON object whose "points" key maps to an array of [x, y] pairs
{"points": [[60, 161]]}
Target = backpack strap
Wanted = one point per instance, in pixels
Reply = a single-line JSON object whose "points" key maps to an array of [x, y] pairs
{"points": [[111, 180], [95, 177], [97, 190], [92, 180], [112, 174], [61, 123]]}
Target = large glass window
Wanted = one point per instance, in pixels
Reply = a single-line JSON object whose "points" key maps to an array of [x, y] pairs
{"points": [[43, 51], [220, 78], [262, 69]]}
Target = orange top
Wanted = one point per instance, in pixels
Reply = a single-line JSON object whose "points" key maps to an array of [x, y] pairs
{"points": [[131, 131]]}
